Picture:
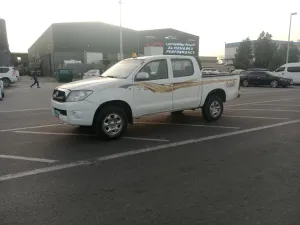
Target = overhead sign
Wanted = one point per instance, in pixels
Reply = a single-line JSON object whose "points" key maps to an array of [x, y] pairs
{"points": [[180, 48]]}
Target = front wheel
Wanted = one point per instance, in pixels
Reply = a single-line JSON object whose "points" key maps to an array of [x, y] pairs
{"points": [[213, 108], [274, 83], [110, 123]]}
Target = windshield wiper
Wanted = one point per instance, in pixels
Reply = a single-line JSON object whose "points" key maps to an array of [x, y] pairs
{"points": [[111, 76]]}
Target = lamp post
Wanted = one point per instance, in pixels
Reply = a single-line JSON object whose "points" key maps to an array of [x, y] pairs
{"points": [[288, 45], [121, 35]]}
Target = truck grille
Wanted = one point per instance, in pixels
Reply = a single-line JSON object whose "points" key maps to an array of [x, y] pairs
{"points": [[59, 96]]}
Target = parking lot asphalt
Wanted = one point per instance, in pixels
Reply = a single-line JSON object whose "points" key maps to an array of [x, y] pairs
{"points": [[241, 169]]}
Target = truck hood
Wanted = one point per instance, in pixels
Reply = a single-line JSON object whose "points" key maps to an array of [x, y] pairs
{"points": [[98, 83]]}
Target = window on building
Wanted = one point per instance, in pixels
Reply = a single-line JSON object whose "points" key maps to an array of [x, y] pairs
{"points": [[294, 69], [182, 67]]}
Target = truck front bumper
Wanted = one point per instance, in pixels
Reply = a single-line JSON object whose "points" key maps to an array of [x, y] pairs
{"points": [[79, 113]]}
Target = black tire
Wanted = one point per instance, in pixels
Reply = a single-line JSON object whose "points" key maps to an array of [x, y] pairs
{"points": [[3, 95], [206, 109], [6, 82], [274, 84], [175, 113], [103, 115], [245, 83]]}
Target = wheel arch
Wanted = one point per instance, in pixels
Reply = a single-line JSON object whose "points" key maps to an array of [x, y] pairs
{"points": [[218, 92], [119, 103]]}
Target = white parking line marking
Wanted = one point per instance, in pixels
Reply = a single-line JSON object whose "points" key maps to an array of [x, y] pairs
{"points": [[33, 127], [273, 110], [188, 125], [24, 110], [140, 151], [277, 105], [253, 103], [263, 92], [28, 158], [87, 135], [145, 139], [257, 117]]}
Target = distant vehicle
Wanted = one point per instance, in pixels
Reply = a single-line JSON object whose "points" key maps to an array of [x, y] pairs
{"points": [[237, 71], [91, 74], [8, 75], [264, 78], [208, 70], [1, 90], [290, 71]]}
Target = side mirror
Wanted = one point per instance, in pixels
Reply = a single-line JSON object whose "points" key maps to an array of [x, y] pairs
{"points": [[142, 76]]}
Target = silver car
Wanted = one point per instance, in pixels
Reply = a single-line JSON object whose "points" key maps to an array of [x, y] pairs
{"points": [[1, 90]]}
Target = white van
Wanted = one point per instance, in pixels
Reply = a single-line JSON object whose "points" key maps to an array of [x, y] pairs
{"points": [[291, 71]]}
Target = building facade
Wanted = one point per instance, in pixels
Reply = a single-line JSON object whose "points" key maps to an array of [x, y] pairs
{"points": [[94, 42], [230, 49], [4, 47]]}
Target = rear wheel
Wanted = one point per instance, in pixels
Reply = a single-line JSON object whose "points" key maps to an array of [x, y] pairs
{"points": [[110, 123], [245, 83], [274, 83], [213, 108], [6, 82]]}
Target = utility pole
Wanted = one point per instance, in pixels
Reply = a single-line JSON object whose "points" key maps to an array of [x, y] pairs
{"points": [[121, 35], [288, 44]]}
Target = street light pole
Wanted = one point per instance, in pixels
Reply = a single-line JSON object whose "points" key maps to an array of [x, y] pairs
{"points": [[121, 35], [288, 44]]}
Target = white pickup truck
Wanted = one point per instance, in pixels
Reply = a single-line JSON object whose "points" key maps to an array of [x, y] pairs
{"points": [[141, 86]]}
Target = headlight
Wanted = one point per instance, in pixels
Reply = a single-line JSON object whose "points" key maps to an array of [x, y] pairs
{"points": [[75, 96]]}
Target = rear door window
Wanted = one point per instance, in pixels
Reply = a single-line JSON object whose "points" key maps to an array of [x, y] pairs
{"points": [[294, 69], [182, 68]]}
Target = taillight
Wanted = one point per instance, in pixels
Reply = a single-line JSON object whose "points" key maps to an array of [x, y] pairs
{"points": [[14, 73]]}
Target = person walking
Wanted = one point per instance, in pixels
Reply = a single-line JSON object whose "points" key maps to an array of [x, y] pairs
{"points": [[36, 82]]}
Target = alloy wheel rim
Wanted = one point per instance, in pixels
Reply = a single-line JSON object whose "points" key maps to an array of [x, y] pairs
{"points": [[112, 124], [274, 83], [6, 83], [215, 109], [245, 83]]}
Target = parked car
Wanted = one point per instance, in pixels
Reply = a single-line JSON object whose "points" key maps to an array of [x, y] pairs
{"points": [[264, 78], [207, 70], [8, 75], [1, 90], [290, 71], [91, 74], [142, 86]]}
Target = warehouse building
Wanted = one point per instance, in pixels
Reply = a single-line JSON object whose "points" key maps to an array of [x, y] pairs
{"points": [[87, 45], [4, 47]]}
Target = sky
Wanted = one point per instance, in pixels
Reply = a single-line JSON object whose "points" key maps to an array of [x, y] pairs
{"points": [[216, 22]]}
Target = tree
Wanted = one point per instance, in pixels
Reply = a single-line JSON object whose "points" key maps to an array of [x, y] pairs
{"points": [[279, 57], [244, 55], [264, 50]]}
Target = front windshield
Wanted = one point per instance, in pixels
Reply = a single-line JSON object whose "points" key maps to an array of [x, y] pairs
{"points": [[122, 69]]}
